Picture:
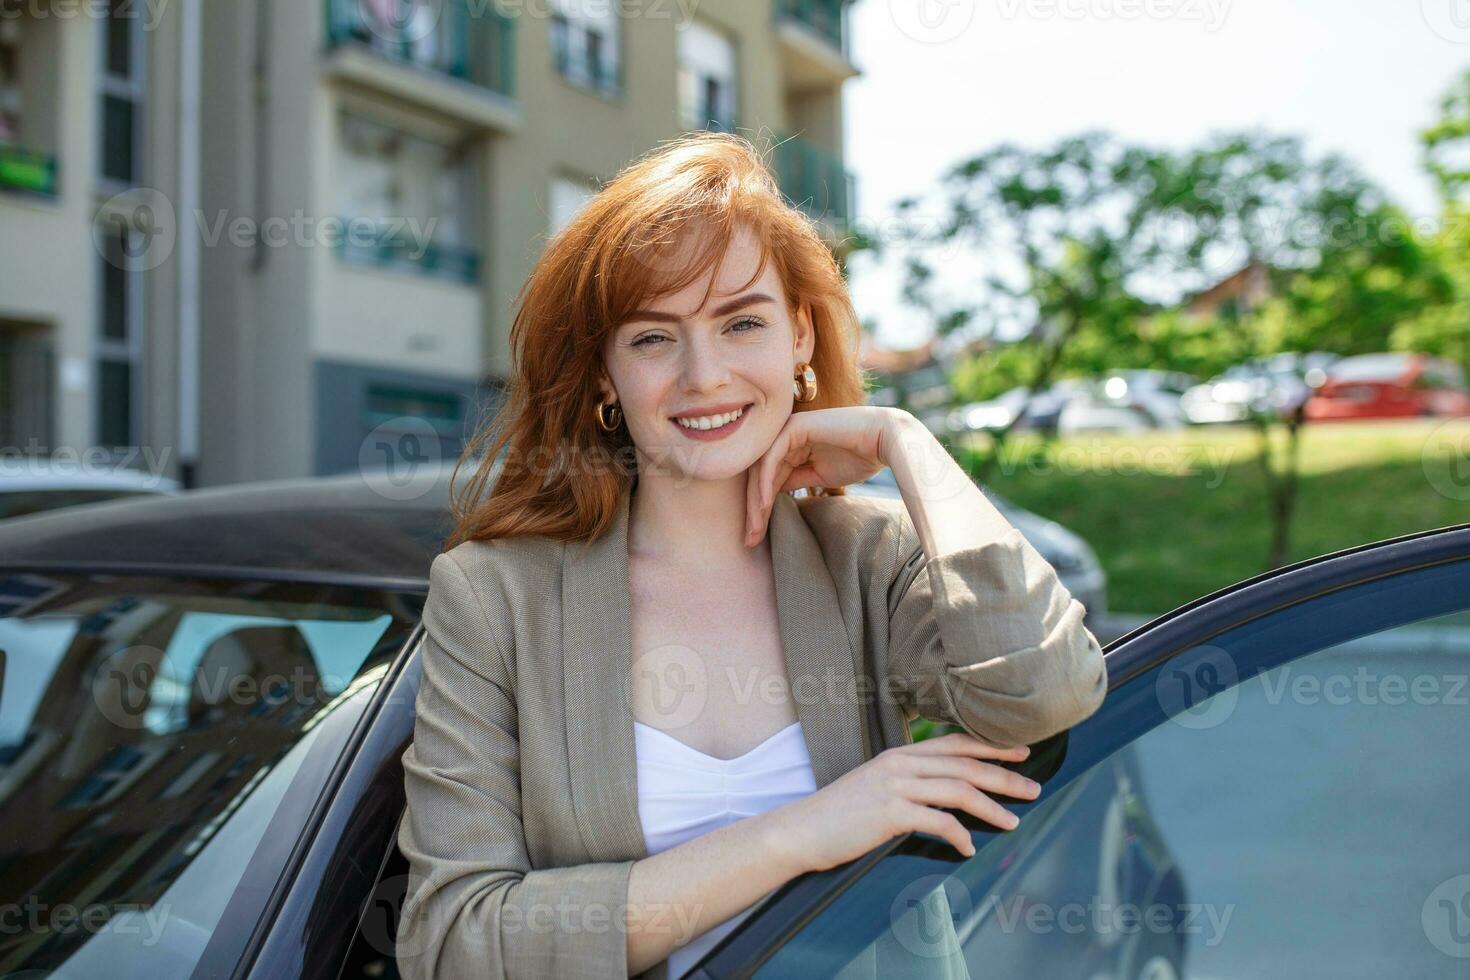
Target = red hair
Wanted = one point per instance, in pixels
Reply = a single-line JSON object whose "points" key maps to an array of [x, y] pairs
{"points": [[562, 475]]}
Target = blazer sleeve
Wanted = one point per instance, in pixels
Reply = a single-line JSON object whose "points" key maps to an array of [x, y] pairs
{"points": [[474, 907], [988, 638]]}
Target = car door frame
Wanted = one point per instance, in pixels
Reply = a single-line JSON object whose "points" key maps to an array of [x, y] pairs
{"points": [[791, 908]]}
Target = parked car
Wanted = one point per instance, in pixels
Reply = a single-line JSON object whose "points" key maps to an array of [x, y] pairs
{"points": [[1257, 387], [1039, 411], [1074, 560], [1098, 413], [30, 486], [1158, 393], [1378, 386], [207, 831]]}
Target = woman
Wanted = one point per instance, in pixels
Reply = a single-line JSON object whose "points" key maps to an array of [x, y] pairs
{"points": [[656, 685]]}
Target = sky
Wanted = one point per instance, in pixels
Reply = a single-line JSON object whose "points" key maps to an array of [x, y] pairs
{"points": [[942, 80]]}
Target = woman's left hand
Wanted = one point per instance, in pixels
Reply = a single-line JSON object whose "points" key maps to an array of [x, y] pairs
{"points": [[825, 447]]}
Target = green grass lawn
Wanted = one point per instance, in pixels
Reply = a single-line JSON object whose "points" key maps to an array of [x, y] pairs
{"points": [[1175, 515]]}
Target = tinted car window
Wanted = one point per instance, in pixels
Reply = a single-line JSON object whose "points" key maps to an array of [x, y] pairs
{"points": [[1287, 799], [148, 726]]}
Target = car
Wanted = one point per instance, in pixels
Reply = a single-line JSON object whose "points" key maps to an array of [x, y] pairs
{"points": [[1273, 387], [207, 698], [30, 486], [1377, 386], [1075, 562], [1098, 413], [1038, 410]]}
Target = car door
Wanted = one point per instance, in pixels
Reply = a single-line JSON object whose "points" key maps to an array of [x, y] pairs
{"points": [[1278, 784]]}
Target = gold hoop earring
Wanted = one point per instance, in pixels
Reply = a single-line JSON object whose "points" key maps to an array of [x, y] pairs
{"points": [[804, 383], [609, 420]]}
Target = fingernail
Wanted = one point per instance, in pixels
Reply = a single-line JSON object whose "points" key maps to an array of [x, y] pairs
{"points": [[1033, 786]]}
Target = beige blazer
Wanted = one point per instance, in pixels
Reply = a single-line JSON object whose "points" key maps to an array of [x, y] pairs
{"points": [[522, 819]]}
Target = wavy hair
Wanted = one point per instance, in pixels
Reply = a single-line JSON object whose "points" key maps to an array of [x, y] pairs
{"points": [[559, 474]]}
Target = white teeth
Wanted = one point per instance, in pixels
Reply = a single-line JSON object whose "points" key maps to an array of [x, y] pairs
{"points": [[711, 421]]}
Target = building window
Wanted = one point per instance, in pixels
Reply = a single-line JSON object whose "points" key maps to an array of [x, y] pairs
{"points": [[567, 198], [117, 348], [585, 44], [706, 78], [12, 102], [407, 201], [120, 91], [441, 409]]}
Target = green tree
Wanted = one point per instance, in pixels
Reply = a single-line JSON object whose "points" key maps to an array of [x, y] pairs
{"points": [[1444, 328], [1343, 265], [1052, 241]]}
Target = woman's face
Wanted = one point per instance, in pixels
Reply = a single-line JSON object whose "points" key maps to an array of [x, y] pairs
{"points": [[737, 354]]}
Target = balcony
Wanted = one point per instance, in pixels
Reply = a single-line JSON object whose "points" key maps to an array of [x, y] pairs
{"points": [[455, 56], [816, 181], [813, 39], [821, 17], [387, 247], [27, 171]]}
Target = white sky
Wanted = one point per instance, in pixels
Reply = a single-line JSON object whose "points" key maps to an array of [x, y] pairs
{"points": [[946, 79]]}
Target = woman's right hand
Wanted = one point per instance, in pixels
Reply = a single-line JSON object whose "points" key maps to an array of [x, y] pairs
{"points": [[900, 790]]}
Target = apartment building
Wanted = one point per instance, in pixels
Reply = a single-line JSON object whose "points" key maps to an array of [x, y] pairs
{"points": [[88, 355], [334, 203]]}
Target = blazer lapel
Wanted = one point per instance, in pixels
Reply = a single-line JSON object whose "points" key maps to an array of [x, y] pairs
{"points": [[820, 661], [597, 663]]}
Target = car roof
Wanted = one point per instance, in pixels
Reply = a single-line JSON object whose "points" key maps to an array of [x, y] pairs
{"points": [[46, 475], [349, 527]]}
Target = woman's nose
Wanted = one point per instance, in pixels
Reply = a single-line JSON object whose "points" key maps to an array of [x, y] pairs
{"points": [[703, 367]]}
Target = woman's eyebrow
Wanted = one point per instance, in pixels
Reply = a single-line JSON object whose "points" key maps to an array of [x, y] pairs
{"points": [[729, 306]]}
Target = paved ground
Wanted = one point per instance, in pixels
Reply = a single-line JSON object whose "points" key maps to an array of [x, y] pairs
{"points": [[1344, 869]]}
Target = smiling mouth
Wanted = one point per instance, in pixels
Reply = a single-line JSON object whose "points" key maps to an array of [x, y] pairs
{"points": [[730, 423]]}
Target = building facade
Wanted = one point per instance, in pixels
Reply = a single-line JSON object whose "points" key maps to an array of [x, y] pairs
{"points": [[304, 225]]}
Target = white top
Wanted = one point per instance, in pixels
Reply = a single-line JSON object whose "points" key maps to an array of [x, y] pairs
{"points": [[683, 793]]}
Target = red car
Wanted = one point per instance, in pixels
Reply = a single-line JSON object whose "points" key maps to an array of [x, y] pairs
{"points": [[1380, 386]]}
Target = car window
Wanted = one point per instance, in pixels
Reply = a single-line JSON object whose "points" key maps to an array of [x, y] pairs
{"points": [[1212, 818], [148, 728], [1370, 367]]}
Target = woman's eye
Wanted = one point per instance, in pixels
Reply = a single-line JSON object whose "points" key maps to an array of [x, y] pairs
{"points": [[749, 324]]}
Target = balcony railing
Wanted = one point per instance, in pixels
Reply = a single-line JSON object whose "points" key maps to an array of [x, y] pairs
{"points": [[815, 180], [464, 39], [824, 17], [26, 170], [387, 247]]}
